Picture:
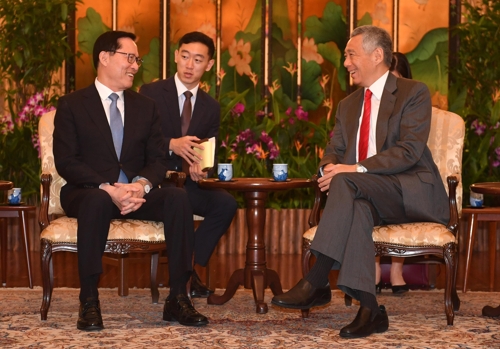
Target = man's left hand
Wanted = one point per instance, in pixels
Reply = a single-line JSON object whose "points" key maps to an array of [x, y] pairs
{"points": [[331, 170], [196, 173]]}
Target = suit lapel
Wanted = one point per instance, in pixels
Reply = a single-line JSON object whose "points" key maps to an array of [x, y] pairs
{"points": [[172, 102], [385, 110], [199, 109], [97, 114], [132, 117]]}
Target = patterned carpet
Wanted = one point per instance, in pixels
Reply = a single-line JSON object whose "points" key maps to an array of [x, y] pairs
{"points": [[417, 320]]}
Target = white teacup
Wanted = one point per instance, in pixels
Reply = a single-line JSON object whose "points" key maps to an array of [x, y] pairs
{"points": [[225, 172], [14, 196], [280, 172]]}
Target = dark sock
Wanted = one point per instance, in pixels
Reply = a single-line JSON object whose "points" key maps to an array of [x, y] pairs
{"points": [[369, 300], [88, 287], [178, 287], [318, 275]]}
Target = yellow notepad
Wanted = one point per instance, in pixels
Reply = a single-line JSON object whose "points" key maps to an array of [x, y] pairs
{"points": [[208, 154]]}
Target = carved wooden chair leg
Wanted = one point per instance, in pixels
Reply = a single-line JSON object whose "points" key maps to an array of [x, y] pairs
{"points": [[155, 295], [450, 262], [47, 278]]}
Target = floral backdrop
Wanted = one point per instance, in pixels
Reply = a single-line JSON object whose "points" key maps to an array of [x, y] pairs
{"points": [[289, 117]]}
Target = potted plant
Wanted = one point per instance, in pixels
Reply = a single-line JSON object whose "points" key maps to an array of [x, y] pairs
{"points": [[475, 93], [33, 48]]}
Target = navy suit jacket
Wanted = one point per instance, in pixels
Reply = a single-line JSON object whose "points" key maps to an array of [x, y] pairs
{"points": [[205, 121], [83, 145]]}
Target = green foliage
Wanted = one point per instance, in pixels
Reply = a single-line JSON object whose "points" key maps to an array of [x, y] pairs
{"points": [[33, 45], [476, 90]]}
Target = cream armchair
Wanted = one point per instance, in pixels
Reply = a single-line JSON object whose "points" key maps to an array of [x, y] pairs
{"points": [[446, 140], [125, 235]]}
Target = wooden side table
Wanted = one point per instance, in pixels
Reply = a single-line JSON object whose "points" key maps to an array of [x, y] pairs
{"points": [[256, 275], [20, 212], [482, 214]]}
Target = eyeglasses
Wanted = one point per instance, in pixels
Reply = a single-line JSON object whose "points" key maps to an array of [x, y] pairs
{"points": [[131, 58]]}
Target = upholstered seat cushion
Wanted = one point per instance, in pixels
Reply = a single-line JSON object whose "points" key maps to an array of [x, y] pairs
{"points": [[64, 230], [409, 234]]}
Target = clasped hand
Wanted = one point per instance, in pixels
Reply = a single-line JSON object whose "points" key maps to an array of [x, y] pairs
{"points": [[128, 197], [331, 170]]}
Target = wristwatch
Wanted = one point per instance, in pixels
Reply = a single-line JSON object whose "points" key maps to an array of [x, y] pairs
{"points": [[360, 168], [145, 184]]}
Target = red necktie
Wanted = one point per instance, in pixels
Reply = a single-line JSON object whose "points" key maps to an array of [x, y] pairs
{"points": [[185, 120], [364, 131]]}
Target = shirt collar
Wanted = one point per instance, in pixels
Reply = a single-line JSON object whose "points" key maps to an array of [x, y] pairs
{"points": [[105, 91], [377, 87], [181, 88]]}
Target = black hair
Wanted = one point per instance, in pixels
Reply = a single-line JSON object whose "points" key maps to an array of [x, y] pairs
{"points": [[108, 42], [401, 65], [201, 38]]}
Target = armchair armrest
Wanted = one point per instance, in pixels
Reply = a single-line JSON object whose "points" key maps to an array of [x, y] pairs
{"points": [[452, 200], [319, 197], [43, 217], [178, 178]]}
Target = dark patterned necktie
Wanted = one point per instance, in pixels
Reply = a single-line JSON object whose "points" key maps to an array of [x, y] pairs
{"points": [[185, 120]]}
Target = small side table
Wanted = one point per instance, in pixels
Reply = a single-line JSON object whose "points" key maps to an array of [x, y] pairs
{"points": [[20, 212], [484, 214]]}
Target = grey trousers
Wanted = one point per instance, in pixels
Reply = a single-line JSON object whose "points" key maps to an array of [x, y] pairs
{"points": [[356, 203]]}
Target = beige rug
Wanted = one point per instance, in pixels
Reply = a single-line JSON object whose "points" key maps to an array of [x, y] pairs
{"points": [[417, 320]]}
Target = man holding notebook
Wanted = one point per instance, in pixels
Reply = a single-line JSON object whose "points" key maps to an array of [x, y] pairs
{"points": [[189, 115]]}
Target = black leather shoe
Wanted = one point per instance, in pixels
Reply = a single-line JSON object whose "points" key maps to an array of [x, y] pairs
{"points": [[378, 287], [198, 290], [400, 289], [491, 312], [303, 296], [362, 326], [181, 309], [89, 316]]}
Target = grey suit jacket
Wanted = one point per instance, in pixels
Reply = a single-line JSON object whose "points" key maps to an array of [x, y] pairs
{"points": [[205, 121], [402, 132], [83, 145]]}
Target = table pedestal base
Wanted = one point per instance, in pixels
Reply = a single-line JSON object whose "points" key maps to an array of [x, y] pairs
{"points": [[260, 280]]}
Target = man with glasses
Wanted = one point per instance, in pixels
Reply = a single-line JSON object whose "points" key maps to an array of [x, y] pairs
{"points": [[108, 146], [194, 57]]}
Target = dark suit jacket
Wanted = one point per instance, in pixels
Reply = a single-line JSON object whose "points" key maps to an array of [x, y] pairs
{"points": [[204, 123], [402, 131], [83, 145]]}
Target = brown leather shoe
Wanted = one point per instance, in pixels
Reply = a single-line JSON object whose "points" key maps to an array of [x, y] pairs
{"points": [[181, 309], [489, 311], [89, 316], [303, 296], [363, 326], [198, 289]]}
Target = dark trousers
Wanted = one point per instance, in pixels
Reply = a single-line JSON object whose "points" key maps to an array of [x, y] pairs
{"points": [[94, 211], [217, 207]]}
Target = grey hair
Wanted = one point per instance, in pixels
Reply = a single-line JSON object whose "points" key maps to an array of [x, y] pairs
{"points": [[374, 37]]}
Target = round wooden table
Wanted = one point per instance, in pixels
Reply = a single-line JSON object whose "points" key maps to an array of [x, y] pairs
{"points": [[486, 214], [255, 275]]}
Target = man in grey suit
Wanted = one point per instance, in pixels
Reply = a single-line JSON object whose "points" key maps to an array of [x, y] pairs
{"points": [[377, 170], [108, 146]]}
